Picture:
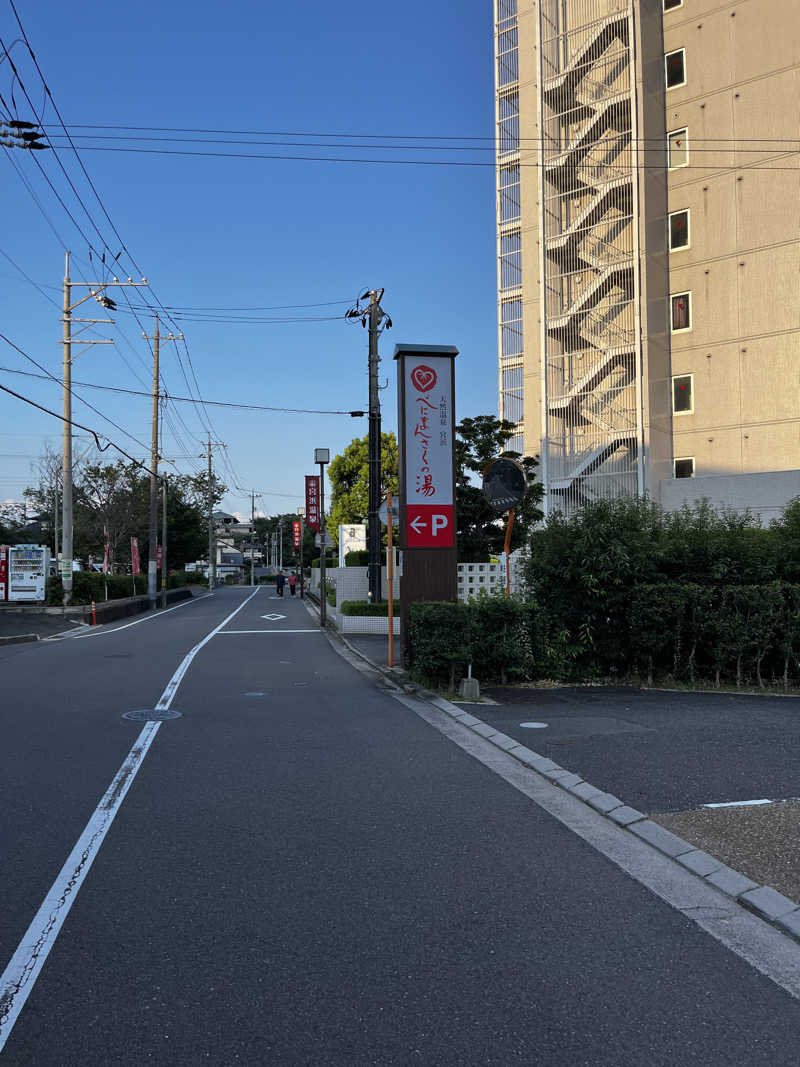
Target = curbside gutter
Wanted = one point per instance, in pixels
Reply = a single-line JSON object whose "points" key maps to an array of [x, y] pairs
{"points": [[764, 901], [17, 639]]}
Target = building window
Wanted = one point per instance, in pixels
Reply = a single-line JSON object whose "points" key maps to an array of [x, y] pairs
{"points": [[682, 395], [516, 444], [507, 57], [681, 318], [511, 260], [509, 193], [678, 148], [507, 9], [512, 394], [684, 468], [511, 329], [678, 230], [670, 4], [675, 67], [508, 123]]}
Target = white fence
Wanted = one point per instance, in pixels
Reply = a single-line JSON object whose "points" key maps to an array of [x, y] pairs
{"points": [[351, 583]]}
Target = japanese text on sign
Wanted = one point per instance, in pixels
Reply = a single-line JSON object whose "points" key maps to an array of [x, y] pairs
{"points": [[428, 431], [312, 501]]}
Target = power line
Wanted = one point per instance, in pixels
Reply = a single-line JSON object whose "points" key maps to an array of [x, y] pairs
{"points": [[175, 399]]}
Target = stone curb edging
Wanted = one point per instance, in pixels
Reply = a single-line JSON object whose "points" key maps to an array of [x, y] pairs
{"points": [[767, 903], [17, 639]]}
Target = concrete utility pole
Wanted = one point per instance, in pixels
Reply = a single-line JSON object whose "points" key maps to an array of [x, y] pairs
{"points": [[163, 541], [68, 340], [212, 550], [152, 563], [372, 316]]}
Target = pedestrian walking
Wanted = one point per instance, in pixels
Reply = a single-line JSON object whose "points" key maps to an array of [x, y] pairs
{"points": [[292, 582], [279, 583]]}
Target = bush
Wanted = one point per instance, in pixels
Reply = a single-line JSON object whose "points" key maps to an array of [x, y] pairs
{"points": [[502, 645], [89, 585], [364, 607], [358, 558], [440, 636]]}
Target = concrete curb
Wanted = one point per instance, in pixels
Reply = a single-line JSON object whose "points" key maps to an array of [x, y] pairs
{"points": [[18, 639], [761, 900]]}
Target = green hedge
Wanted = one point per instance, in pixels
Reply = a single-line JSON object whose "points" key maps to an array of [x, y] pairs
{"points": [[89, 585], [364, 607], [358, 558]]}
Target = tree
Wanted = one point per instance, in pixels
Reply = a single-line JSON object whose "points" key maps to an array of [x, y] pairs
{"points": [[480, 530], [349, 477]]}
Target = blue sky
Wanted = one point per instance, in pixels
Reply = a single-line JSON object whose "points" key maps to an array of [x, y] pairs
{"points": [[247, 233]]}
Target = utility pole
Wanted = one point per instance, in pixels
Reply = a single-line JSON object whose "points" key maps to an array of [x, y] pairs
{"points": [[212, 551], [372, 316], [68, 340], [252, 535], [152, 563], [164, 541]]}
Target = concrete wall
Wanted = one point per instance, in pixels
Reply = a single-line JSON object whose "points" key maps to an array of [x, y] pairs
{"points": [[764, 494]]}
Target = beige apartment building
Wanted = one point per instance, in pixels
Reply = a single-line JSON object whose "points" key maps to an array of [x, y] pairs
{"points": [[648, 223]]}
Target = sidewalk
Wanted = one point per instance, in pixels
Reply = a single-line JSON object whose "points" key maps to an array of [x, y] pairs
{"points": [[17, 624]]}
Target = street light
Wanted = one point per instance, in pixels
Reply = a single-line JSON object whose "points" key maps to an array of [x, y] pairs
{"points": [[322, 456]]}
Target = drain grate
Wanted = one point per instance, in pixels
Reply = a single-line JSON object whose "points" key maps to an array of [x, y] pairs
{"points": [[151, 715]]}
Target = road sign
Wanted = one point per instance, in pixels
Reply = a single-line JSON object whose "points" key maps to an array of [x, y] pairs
{"points": [[504, 484], [429, 526], [395, 513]]}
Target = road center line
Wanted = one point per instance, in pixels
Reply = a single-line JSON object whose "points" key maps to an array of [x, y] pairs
{"points": [[225, 633], [23, 969]]}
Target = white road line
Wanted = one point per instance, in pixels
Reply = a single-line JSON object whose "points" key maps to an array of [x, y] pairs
{"points": [[738, 803], [145, 618], [17, 980], [225, 633]]}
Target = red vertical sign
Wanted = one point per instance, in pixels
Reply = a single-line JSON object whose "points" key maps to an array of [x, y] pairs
{"points": [[297, 535], [312, 501], [428, 442], [135, 555]]}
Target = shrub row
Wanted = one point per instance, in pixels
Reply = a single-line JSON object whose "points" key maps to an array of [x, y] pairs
{"points": [[364, 607], [89, 585], [493, 633]]}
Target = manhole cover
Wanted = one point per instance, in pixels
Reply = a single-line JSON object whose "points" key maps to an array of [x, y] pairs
{"points": [[151, 715]]}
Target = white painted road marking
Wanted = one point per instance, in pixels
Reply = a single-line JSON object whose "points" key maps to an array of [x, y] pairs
{"points": [[738, 803], [145, 618], [227, 633], [17, 980], [534, 725]]}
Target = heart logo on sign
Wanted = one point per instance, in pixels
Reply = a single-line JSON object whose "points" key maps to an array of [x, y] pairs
{"points": [[423, 378]]}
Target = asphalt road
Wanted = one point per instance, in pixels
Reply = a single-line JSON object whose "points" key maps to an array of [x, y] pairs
{"points": [[660, 751], [306, 872]]}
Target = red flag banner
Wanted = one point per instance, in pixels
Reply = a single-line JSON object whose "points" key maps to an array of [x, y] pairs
{"points": [[159, 557], [135, 555], [297, 535], [105, 554], [312, 501]]}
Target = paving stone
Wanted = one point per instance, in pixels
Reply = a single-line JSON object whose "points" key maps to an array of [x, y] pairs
{"points": [[466, 719], [562, 777], [768, 902], [584, 790], [699, 862], [660, 838], [543, 764], [527, 755], [604, 802], [625, 815], [504, 741], [791, 923], [483, 729], [730, 881]]}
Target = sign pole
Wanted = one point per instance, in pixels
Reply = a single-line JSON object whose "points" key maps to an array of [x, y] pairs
{"points": [[507, 547], [390, 576], [426, 432]]}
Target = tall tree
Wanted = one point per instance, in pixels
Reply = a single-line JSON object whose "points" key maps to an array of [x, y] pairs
{"points": [[349, 477], [480, 530]]}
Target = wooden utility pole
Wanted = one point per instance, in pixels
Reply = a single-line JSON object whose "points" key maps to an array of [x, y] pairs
{"points": [[68, 340], [152, 563]]}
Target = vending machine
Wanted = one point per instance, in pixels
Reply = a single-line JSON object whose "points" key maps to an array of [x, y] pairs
{"points": [[27, 572], [3, 573]]}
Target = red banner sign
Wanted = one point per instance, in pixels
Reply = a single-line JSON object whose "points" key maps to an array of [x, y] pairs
{"points": [[428, 435], [159, 557], [312, 501], [135, 555], [297, 534]]}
